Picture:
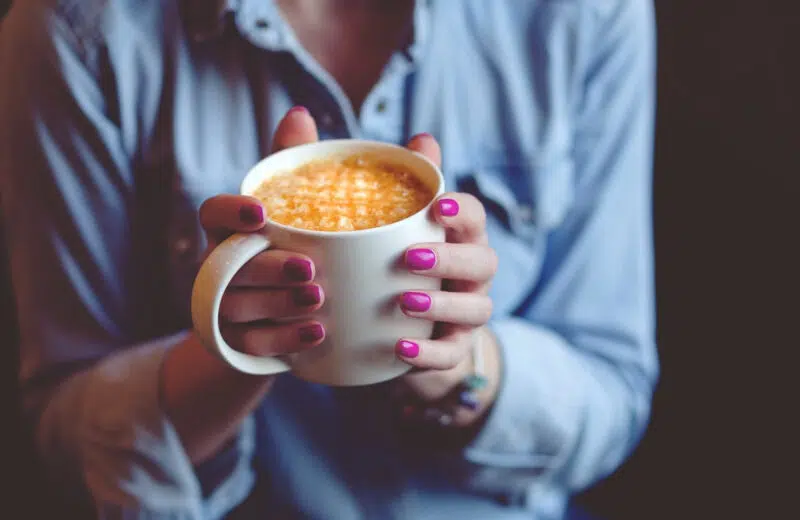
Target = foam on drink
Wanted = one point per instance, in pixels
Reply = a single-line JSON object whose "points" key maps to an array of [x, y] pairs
{"points": [[352, 193]]}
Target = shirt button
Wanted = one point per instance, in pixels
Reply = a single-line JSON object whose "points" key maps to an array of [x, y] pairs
{"points": [[182, 246], [381, 106], [327, 120], [262, 24], [526, 214]]}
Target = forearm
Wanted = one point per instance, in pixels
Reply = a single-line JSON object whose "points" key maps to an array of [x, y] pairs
{"points": [[562, 410], [560, 414], [205, 399], [104, 429]]}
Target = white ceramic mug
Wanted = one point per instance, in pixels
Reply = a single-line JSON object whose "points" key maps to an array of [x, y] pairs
{"points": [[360, 272]]}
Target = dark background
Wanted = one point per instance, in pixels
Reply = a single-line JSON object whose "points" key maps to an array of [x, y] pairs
{"points": [[726, 192], [726, 222]]}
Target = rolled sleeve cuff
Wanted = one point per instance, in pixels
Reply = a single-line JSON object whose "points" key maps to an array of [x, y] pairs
{"points": [[133, 461], [535, 416]]}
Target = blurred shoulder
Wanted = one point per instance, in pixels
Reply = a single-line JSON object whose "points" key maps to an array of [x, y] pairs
{"points": [[90, 20], [524, 12]]}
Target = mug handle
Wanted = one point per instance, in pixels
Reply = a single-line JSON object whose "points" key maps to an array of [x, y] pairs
{"points": [[212, 279]]}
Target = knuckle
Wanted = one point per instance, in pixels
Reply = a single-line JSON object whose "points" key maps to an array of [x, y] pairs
{"points": [[491, 261], [452, 357], [479, 213], [488, 310]]}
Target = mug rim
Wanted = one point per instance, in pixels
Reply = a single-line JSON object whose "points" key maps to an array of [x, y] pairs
{"points": [[333, 142]]}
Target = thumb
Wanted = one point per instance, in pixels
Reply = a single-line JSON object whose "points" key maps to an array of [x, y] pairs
{"points": [[297, 127]]}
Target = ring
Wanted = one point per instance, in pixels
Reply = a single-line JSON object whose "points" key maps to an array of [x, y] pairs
{"points": [[465, 394]]}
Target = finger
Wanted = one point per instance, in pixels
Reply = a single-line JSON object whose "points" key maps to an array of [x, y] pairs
{"points": [[430, 385], [274, 268], [470, 309], [249, 305], [463, 216], [467, 262], [426, 145], [297, 127], [434, 354], [274, 339], [225, 214]]}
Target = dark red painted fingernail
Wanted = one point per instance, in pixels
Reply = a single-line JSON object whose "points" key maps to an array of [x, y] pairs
{"points": [[415, 301], [407, 349], [251, 214], [307, 295], [311, 333], [298, 110], [448, 207], [298, 270], [420, 259]]}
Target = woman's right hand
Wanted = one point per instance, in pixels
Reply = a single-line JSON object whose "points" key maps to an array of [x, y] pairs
{"points": [[273, 288], [205, 399]]}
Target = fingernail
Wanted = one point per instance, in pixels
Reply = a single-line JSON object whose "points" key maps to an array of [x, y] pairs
{"points": [[448, 207], [425, 134], [407, 349], [420, 259], [306, 295], [251, 214], [298, 110], [415, 301], [298, 270], [311, 333]]}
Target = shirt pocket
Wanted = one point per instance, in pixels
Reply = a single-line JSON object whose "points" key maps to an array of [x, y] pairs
{"points": [[524, 200]]}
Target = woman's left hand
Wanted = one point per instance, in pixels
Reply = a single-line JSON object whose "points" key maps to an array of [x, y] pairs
{"points": [[467, 265]]}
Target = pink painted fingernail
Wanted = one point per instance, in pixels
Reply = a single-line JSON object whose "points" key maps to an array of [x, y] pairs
{"points": [[311, 333], [407, 349], [298, 110], [298, 270], [420, 259], [415, 301], [307, 295], [448, 207], [251, 214]]}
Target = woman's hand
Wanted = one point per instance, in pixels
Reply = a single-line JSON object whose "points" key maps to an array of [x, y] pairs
{"points": [[205, 398], [274, 285], [467, 265]]}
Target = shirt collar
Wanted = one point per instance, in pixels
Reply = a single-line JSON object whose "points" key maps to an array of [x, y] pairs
{"points": [[204, 19]]}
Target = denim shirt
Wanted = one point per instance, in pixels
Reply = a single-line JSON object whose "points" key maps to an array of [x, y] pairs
{"points": [[120, 118]]}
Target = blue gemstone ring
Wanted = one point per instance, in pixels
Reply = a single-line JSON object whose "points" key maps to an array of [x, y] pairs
{"points": [[465, 394]]}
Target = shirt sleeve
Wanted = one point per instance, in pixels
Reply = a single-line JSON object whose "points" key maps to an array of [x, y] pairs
{"points": [[579, 358], [86, 308]]}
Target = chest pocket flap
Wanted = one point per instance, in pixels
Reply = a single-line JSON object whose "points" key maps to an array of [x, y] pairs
{"points": [[523, 202]]}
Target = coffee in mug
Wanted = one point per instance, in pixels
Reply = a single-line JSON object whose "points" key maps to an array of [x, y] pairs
{"points": [[347, 194], [353, 207]]}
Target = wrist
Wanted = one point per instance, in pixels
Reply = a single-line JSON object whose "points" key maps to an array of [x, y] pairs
{"points": [[205, 398]]}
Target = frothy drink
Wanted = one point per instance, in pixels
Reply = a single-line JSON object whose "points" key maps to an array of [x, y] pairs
{"points": [[347, 194]]}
